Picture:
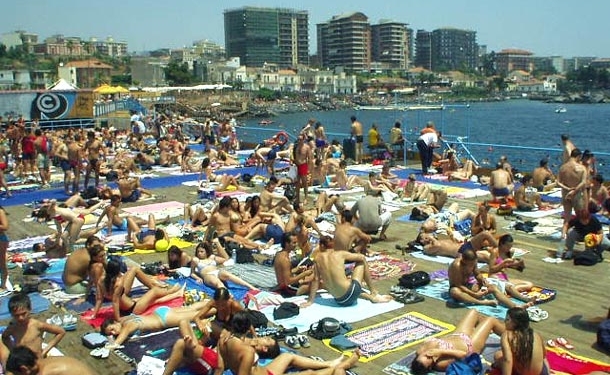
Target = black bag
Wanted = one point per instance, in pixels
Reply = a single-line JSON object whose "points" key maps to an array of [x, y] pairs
{"points": [[243, 256], [325, 328], [603, 335], [90, 192], [112, 176], [257, 318], [286, 310], [588, 257], [154, 269], [290, 192], [414, 279], [418, 214], [35, 268]]}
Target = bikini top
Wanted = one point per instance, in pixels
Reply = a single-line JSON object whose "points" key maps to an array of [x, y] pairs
{"points": [[202, 264]]}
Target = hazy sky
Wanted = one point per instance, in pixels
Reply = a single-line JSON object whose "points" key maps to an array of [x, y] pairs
{"points": [[545, 27]]}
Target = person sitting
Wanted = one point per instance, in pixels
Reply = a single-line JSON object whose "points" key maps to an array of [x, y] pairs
{"points": [[576, 229], [240, 354], [470, 335], [500, 259], [598, 194], [24, 361], [467, 284], [526, 196], [114, 220], [190, 352], [484, 220], [371, 216], [162, 318], [227, 182], [450, 164], [348, 236], [522, 349], [329, 267], [465, 172], [205, 271], [543, 178], [131, 189], [414, 191], [291, 281], [176, 258], [396, 137], [223, 307], [500, 183], [325, 203]]}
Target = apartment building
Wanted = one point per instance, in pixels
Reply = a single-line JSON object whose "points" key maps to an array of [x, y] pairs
{"points": [[345, 41]]}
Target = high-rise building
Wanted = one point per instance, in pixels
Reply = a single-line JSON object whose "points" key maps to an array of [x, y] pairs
{"points": [[390, 44], [345, 41], [446, 49], [511, 59], [267, 35]]}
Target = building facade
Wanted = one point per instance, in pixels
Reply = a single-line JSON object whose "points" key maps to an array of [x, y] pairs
{"points": [[345, 41], [423, 49], [508, 60], [267, 35], [454, 49], [390, 44], [85, 73]]}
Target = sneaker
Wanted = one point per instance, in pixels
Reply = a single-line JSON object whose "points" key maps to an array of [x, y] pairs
{"points": [[304, 341], [293, 342]]}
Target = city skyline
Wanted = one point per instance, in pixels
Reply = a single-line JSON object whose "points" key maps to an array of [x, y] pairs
{"points": [[550, 28]]}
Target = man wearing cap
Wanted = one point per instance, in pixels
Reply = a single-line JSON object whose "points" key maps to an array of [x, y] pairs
{"points": [[426, 143], [371, 216]]}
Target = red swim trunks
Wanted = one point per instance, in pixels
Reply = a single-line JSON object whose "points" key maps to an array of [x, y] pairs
{"points": [[303, 169]]}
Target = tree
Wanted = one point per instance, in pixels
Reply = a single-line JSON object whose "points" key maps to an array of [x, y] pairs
{"points": [[178, 74]]}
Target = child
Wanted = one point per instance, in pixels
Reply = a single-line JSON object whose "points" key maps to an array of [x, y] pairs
{"points": [[26, 331]]}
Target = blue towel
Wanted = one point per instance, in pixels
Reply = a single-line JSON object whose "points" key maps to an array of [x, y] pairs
{"points": [[39, 304]]}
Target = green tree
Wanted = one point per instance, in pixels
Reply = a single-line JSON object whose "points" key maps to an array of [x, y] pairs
{"points": [[178, 74]]}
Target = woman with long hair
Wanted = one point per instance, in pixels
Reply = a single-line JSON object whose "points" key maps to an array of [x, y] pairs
{"points": [[523, 350], [116, 287], [204, 268], [223, 307]]}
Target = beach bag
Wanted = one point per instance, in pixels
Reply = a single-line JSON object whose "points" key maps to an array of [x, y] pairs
{"points": [[504, 210], [35, 268], [471, 365], [325, 328], [587, 257], [257, 318], [603, 335], [418, 214], [286, 310], [290, 192], [243, 256], [414, 279], [94, 340]]}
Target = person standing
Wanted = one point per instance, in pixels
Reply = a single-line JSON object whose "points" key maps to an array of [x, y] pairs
{"points": [[356, 132], [93, 148], [426, 143], [4, 241], [572, 179], [303, 158]]}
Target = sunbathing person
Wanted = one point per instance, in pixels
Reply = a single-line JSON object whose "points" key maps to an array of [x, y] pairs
{"points": [[131, 189], [329, 269], [484, 220], [205, 271], [452, 248], [271, 230], [190, 352], [240, 354], [114, 220], [415, 191], [500, 259], [162, 318], [325, 203], [467, 284], [342, 180], [221, 224], [470, 335], [527, 197], [147, 239], [523, 351], [225, 180], [116, 287], [463, 173], [197, 217], [223, 307], [24, 361]]}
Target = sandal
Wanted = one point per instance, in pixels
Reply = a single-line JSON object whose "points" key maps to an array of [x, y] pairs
{"points": [[551, 343], [565, 343]]}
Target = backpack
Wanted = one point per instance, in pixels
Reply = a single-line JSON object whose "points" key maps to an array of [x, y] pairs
{"points": [[603, 335], [290, 192], [471, 365], [325, 328], [587, 257], [414, 279]]}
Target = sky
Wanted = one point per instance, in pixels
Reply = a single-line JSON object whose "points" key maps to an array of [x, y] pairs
{"points": [[545, 27]]}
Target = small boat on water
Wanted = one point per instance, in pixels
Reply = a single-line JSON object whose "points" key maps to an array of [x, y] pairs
{"points": [[561, 110], [265, 122]]}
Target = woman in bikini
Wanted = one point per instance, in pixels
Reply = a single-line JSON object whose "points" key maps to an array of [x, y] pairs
{"points": [[176, 258], [435, 354], [205, 271], [223, 307], [241, 353], [500, 259], [225, 180], [197, 217], [116, 287], [523, 350], [72, 217], [163, 317]]}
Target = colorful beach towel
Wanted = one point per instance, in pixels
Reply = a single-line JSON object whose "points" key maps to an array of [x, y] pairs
{"points": [[563, 362], [396, 334], [385, 267]]}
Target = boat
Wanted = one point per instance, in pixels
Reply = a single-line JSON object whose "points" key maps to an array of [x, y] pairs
{"points": [[265, 122], [560, 110]]}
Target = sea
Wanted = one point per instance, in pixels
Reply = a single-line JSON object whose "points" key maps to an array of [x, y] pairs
{"points": [[525, 131]]}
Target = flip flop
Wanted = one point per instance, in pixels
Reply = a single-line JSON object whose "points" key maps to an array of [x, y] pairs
{"points": [[551, 343], [565, 343]]}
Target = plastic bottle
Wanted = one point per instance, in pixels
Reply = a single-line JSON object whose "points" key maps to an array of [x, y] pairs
{"points": [[234, 255]]}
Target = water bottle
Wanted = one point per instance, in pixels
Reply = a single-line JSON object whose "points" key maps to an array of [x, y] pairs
{"points": [[234, 255], [313, 242]]}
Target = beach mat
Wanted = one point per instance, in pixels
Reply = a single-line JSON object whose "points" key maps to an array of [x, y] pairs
{"points": [[160, 343], [325, 306], [39, 304], [159, 210], [402, 366], [384, 267], [259, 275], [539, 213], [395, 334], [564, 362]]}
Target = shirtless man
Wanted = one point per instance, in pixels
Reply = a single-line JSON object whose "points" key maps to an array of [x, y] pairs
{"points": [[114, 220], [75, 151], [356, 132], [329, 268], [342, 180], [347, 236], [41, 145], [221, 222], [290, 281], [321, 141], [298, 221], [527, 197], [23, 361], [268, 196], [303, 158], [572, 179], [61, 153], [599, 193], [131, 190], [451, 248], [568, 146], [543, 178], [500, 183], [93, 148], [461, 271]]}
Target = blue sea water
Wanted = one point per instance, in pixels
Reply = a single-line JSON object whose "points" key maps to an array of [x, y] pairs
{"points": [[490, 129]]}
